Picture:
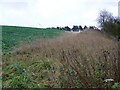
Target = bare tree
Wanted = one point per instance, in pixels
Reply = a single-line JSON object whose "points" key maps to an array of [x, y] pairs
{"points": [[104, 16]]}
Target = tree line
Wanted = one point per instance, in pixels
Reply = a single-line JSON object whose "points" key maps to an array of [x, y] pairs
{"points": [[108, 24], [74, 28]]}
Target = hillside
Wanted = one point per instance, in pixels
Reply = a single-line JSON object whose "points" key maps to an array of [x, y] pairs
{"points": [[12, 36], [79, 60]]}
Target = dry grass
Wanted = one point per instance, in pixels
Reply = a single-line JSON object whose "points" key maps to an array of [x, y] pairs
{"points": [[89, 55]]}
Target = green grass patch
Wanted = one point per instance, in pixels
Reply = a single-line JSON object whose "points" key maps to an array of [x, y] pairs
{"points": [[13, 35]]}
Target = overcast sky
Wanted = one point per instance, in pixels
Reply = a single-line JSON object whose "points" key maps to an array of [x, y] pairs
{"points": [[48, 13]]}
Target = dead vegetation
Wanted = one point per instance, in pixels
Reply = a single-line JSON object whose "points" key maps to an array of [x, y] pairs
{"points": [[78, 60]]}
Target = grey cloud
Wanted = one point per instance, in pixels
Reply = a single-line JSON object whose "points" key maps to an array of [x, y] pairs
{"points": [[35, 12]]}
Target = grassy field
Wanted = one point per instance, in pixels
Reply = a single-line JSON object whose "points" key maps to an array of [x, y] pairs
{"points": [[13, 36], [81, 60]]}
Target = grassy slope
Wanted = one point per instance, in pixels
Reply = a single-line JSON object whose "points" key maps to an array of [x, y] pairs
{"points": [[73, 60], [14, 35]]}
